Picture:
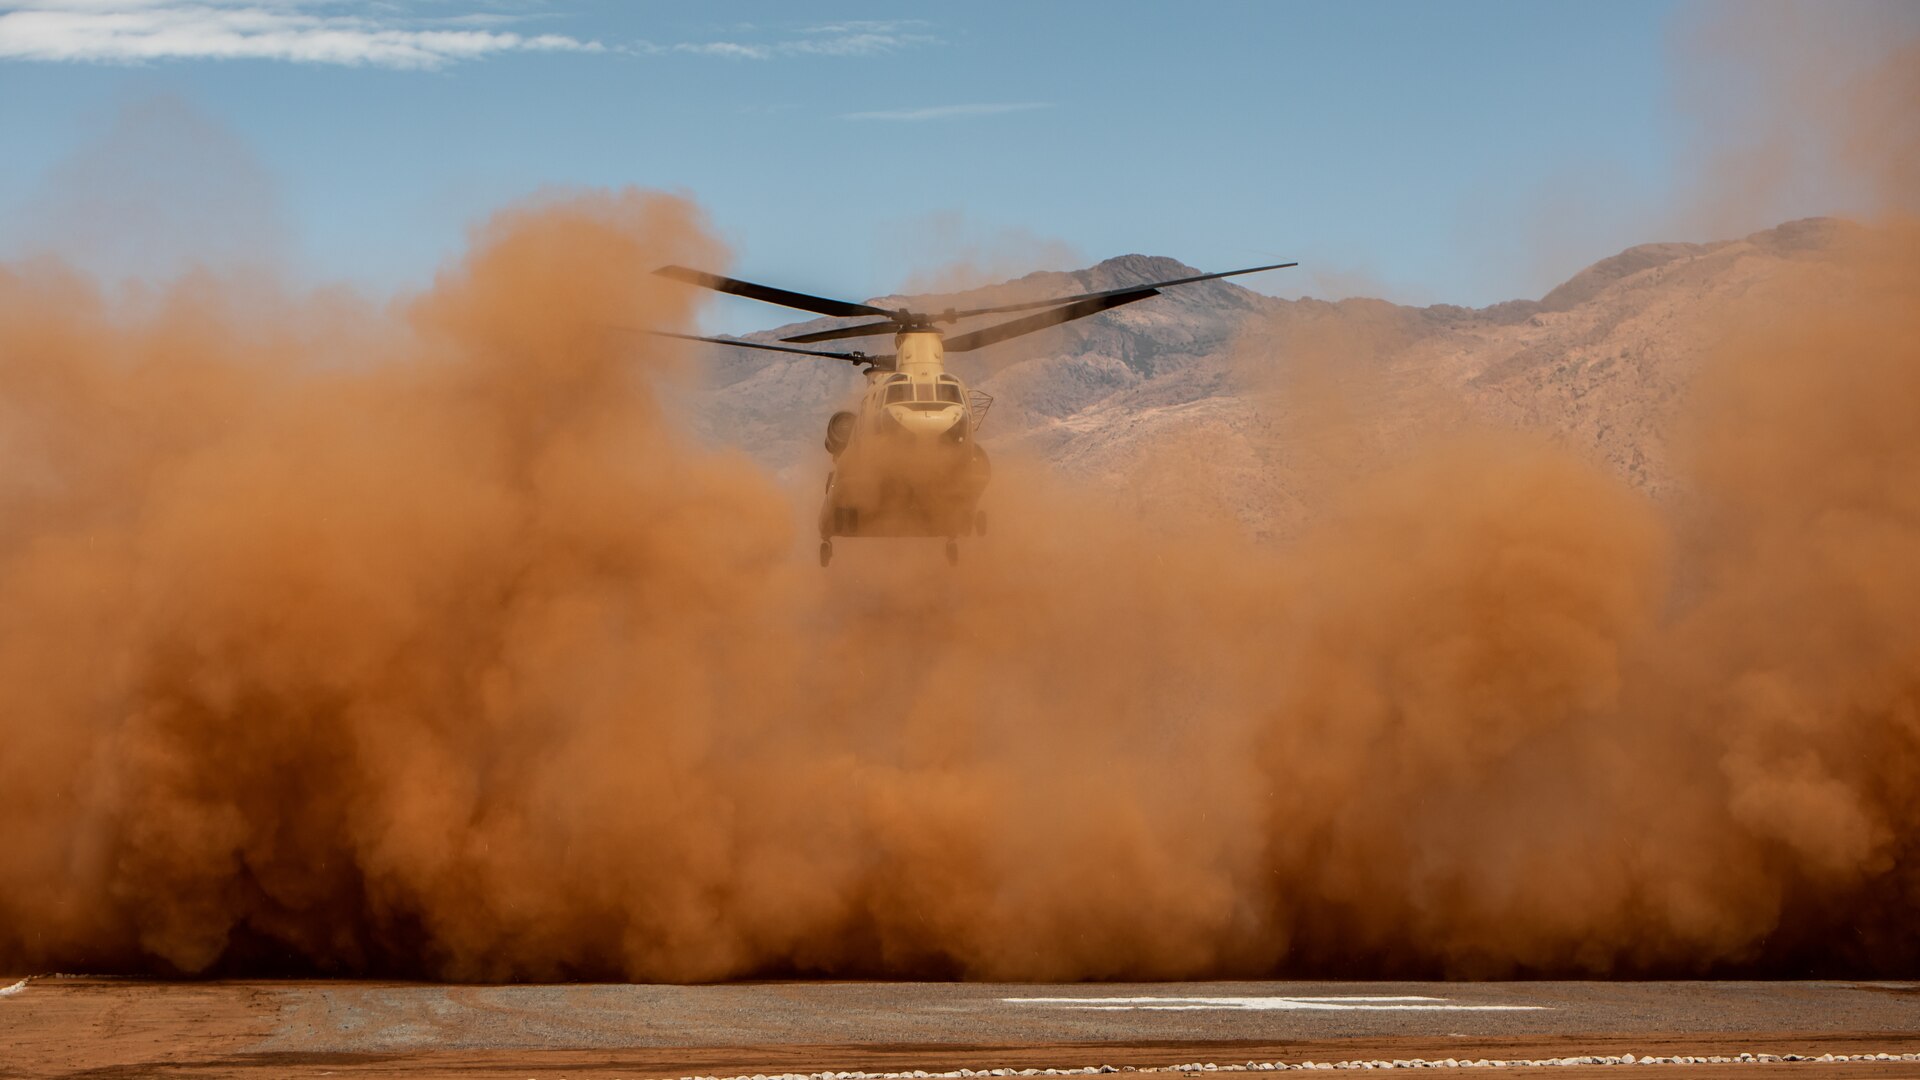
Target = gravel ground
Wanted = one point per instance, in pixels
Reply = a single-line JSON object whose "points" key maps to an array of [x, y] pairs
{"points": [[58, 1026]]}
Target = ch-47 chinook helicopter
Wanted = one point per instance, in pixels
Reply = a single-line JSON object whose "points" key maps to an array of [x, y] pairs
{"points": [[905, 462]]}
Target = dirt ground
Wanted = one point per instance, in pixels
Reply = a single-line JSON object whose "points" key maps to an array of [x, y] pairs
{"points": [[66, 1026]]}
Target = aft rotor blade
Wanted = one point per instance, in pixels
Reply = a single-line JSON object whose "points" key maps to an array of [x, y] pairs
{"points": [[1092, 305], [862, 330], [819, 305], [1030, 305], [850, 357]]}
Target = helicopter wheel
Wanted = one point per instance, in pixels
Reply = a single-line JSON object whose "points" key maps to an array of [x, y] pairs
{"points": [[953, 552], [826, 552]]}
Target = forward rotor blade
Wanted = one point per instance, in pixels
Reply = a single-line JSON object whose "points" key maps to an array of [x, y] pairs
{"points": [[1030, 305], [850, 357], [1092, 305], [862, 330], [819, 305]]}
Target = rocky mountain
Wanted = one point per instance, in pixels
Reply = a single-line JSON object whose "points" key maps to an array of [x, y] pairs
{"points": [[1215, 394]]}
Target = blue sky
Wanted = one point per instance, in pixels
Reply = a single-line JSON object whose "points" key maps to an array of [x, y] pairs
{"points": [[1464, 153]]}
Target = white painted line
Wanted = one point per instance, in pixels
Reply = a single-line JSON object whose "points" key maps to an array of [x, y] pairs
{"points": [[9, 991], [1340, 1003]]}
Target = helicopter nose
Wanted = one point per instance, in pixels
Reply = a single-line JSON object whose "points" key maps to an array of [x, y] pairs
{"points": [[923, 422]]}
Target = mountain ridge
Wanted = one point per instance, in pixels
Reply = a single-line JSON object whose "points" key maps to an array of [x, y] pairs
{"points": [[1217, 370]]}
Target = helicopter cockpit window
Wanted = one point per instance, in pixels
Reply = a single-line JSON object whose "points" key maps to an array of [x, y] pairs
{"points": [[899, 391], [947, 391]]}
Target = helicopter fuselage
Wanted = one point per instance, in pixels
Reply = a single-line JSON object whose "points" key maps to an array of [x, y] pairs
{"points": [[905, 459]]}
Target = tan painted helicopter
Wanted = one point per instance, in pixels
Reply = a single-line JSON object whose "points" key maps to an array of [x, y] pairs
{"points": [[906, 462]]}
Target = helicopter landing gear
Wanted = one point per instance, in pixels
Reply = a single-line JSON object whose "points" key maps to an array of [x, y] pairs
{"points": [[953, 552], [826, 552]]}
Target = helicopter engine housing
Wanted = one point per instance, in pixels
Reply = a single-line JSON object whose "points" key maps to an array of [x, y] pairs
{"points": [[839, 431]]}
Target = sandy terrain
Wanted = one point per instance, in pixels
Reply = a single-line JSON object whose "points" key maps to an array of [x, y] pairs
{"points": [[76, 1026]]}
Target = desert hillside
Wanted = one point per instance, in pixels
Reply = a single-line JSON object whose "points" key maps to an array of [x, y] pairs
{"points": [[1215, 394]]}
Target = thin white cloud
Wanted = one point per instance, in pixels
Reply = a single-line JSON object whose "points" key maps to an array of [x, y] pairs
{"points": [[865, 43], [868, 37], [300, 31], [731, 50], [868, 26], [945, 112]]}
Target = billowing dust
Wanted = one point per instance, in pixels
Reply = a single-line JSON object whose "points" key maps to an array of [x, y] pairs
{"points": [[418, 640]]}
